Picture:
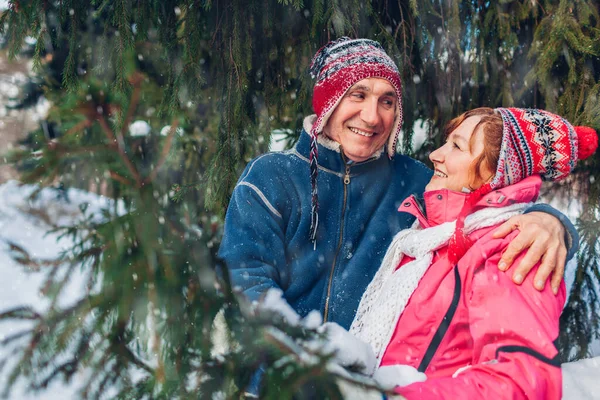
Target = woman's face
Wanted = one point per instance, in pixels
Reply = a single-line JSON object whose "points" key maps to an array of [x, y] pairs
{"points": [[453, 161]]}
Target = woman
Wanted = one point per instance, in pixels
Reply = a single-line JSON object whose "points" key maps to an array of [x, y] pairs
{"points": [[439, 304]]}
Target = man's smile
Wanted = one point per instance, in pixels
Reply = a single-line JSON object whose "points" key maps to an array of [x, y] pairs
{"points": [[361, 132]]}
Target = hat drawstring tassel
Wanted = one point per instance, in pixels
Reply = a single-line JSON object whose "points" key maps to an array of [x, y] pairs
{"points": [[314, 209]]}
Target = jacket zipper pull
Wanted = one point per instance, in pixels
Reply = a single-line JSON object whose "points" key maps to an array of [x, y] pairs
{"points": [[347, 176]]}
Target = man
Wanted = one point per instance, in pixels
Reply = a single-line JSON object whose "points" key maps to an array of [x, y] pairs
{"points": [[315, 221]]}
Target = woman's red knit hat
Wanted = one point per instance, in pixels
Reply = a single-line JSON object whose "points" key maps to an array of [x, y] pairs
{"points": [[533, 142]]}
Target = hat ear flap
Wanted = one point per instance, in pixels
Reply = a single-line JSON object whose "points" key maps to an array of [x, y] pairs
{"points": [[392, 142]]}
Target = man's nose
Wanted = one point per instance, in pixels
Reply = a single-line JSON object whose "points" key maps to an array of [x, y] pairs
{"points": [[370, 113]]}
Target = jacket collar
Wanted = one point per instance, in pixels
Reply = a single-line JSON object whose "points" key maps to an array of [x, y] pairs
{"points": [[439, 206], [330, 152]]}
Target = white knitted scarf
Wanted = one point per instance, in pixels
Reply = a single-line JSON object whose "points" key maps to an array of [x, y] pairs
{"points": [[388, 293]]}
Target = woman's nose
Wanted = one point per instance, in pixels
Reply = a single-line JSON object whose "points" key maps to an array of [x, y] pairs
{"points": [[437, 156]]}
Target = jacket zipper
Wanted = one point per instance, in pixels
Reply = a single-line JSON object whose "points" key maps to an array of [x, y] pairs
{"points": [[444, 324], [337, 252], [420, 206], [421, 211]]}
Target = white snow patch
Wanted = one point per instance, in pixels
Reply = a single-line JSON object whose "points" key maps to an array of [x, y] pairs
{"points": [[420, 133], [9, 89], [581, 379], [139, 128], [390, 376], [165, 130], [41, 108], [313, 320], [279, 139], [348, 350], [274, 301]]}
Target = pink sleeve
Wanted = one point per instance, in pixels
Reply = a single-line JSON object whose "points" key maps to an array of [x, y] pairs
{"points": [[513, 329]]}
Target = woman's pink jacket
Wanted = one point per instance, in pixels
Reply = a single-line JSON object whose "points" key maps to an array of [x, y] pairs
{"points": [[480, 334]]}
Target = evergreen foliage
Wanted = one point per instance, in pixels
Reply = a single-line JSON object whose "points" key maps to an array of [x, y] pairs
{"points": [[222, 75]]}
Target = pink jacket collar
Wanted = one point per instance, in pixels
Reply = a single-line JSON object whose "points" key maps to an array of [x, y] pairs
{"points": [[444, 205]]}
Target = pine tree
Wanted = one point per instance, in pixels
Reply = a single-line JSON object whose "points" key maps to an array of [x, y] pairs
{"points": [[222, 75]]}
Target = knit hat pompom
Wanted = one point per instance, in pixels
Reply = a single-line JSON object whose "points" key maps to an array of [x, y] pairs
{"points": [[588, 141], [336, 67]]}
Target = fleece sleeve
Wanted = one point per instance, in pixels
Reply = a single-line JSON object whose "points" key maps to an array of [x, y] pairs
{"points": [[513, 328], [253, 247], [571, 235]]}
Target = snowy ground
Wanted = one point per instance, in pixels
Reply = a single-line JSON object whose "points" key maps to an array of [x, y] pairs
{"points": [[580, 380], [25, 223]]}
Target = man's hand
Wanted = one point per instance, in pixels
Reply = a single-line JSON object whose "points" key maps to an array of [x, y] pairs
{"points": [[543, 236]]}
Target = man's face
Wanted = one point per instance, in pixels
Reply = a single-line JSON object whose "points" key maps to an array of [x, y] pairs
{"points": [[363, 120]]}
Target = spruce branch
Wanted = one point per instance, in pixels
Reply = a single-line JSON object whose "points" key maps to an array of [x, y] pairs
{"points": [[113, 142], [164, 153], [63, 150], [67, 369], [14, 337], [131, 357], [69, 75], [119, 178], [79, 127], [23, 312], [235, 66], [136, 81], [14, 5], [159, 372]]}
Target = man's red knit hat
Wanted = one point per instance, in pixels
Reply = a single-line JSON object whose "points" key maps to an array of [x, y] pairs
{"points": [[337, 66]]}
